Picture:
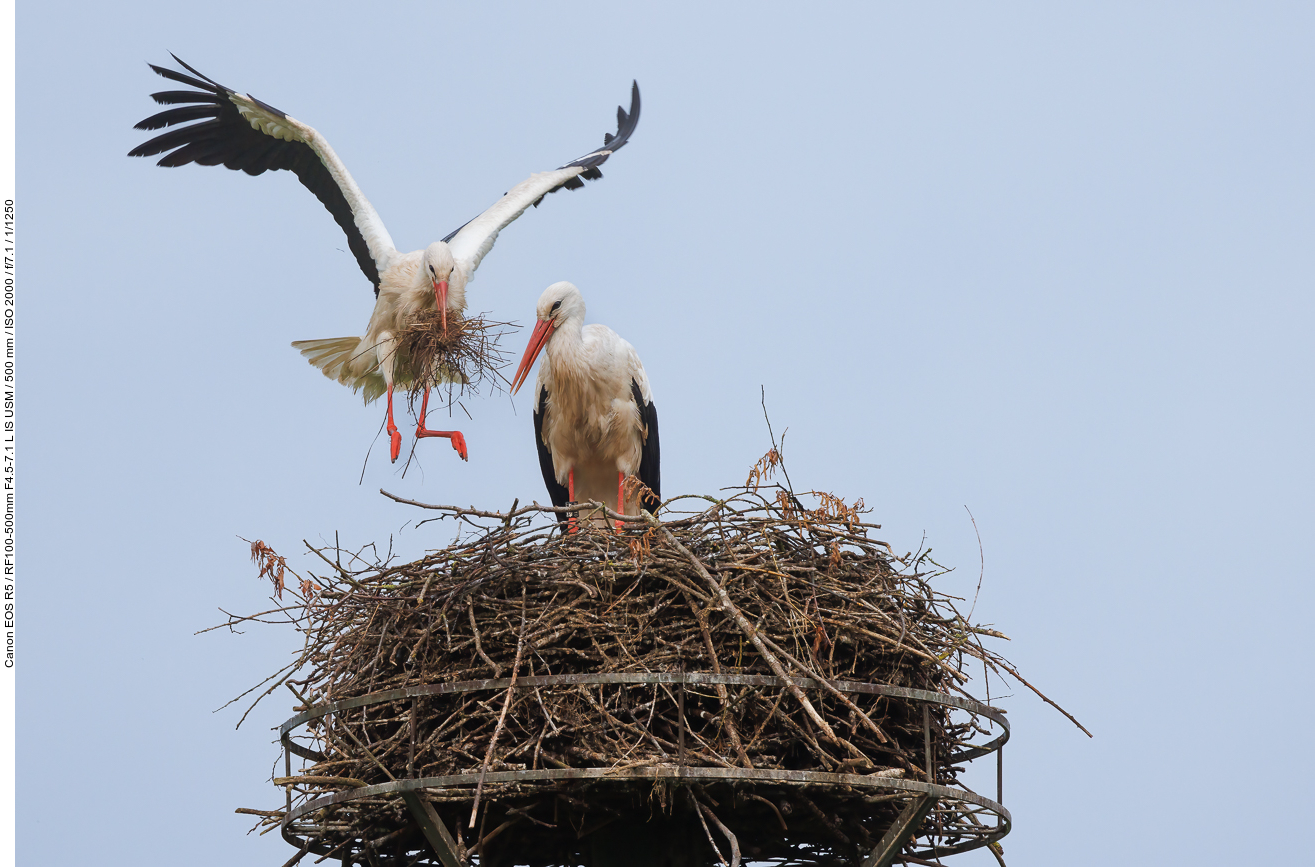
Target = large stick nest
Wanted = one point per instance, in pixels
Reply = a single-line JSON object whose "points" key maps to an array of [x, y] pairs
{"points": [[753, 584]]}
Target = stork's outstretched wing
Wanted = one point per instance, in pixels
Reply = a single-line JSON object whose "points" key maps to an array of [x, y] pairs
{"points": [[472, 242], [239, 131]]}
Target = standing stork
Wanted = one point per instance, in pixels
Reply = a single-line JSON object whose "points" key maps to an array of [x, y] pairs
{"points": [[594, 418], [239, 131]]}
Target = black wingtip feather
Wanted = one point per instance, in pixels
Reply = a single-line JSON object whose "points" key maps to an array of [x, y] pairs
{"points": [[177, 115], [180, 136], [172, 97], [170, 74], [198, 73]]}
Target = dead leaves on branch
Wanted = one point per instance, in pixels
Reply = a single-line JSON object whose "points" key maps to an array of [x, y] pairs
{"points": [[641, 547], [634, 489], [834, 508], [830, 510], [830, 507], [271, 565], [764, 469]]}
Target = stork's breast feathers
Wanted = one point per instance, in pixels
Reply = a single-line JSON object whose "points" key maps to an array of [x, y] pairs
{"points": [[585, 426]]}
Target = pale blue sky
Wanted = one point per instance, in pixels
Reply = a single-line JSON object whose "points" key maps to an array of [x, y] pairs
{"points": [[1053, 264]]}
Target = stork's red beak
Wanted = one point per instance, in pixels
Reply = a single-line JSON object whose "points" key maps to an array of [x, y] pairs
{"points": [[542, 331], [440, 298]]}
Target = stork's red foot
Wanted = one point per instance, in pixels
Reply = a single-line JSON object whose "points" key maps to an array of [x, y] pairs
{"points": [[458, 441], [395, 442]]}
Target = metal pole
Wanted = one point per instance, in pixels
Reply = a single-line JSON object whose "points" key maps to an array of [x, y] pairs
{"points": [[999, 782], [287, 772], [900, 832], [926, 737], [681, 742], [434, 829]]}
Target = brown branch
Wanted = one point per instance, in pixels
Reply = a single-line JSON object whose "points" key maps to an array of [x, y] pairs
{"points": [[502, 717]]}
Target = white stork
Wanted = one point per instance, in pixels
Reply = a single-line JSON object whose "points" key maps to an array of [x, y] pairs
{"points": [[594, 418], [239, 131]]}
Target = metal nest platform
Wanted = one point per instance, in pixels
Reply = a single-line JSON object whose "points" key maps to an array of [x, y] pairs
{"points": [[561, 809], [758, 681]]}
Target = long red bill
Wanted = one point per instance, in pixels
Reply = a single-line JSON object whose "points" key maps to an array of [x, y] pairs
{"points": [[440, 298], [542, 331]]}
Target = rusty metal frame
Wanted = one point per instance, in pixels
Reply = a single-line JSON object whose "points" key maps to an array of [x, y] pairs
{"points": [[899, 833], [923, 797], [434, 830], [927, 794], [692, 678]]}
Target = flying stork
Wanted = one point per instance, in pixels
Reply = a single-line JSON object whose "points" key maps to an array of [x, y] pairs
{"points": [[594, 418], [239, 131]]}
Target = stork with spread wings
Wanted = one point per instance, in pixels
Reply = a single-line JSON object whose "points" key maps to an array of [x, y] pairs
{"points": [[239, 131]]}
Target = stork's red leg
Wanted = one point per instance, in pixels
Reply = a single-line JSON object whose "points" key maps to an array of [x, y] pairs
{"points": [[620, 497], [394, 437], [458, 441], [570, 495]]}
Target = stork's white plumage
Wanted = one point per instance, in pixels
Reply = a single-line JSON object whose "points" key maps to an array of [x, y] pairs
{"points": [[239, 131], [594, 419]]}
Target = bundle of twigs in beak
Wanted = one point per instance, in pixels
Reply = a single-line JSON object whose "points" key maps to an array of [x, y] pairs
{"points": [[461, 358]]}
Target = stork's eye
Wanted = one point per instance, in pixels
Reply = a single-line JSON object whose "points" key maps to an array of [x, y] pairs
{"points": [[555, 305], [431, 269]]}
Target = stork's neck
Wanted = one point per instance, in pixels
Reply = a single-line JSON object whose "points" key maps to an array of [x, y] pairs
{"points": [[566, 348]]}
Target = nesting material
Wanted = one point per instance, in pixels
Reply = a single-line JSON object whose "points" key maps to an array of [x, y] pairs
{"points": [[463, 358], [762, 583]]}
